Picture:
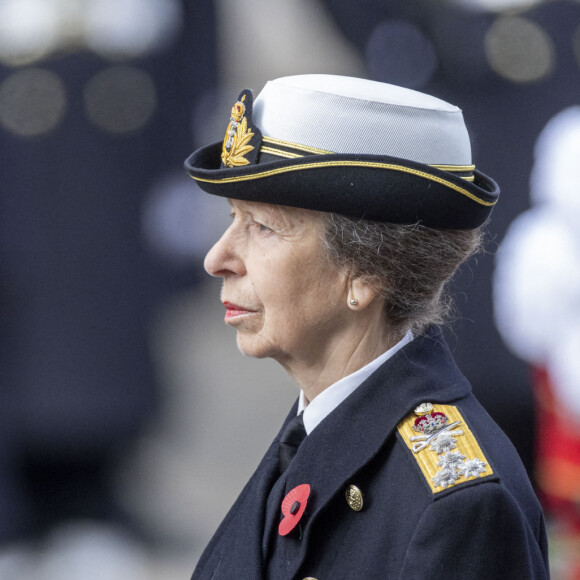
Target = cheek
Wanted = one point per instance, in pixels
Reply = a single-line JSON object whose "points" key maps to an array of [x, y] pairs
{"points": [[280, 296], [275, 280], [295, 286], [309, 295]]}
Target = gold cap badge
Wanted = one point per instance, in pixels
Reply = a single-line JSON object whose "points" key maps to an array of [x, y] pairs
{"points": [[242, 139]]}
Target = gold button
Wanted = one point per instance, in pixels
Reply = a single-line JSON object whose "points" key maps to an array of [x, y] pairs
{"points": [[309, 578], [354, 498]]}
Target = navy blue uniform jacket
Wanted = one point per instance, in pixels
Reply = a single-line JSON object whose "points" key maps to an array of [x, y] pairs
{"points": [[489, 526]]}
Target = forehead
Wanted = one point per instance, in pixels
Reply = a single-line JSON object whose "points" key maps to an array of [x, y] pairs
{"points": [[279, 214]]}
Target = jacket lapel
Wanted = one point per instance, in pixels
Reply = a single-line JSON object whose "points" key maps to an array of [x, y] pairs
{"points": [[346, 440]]}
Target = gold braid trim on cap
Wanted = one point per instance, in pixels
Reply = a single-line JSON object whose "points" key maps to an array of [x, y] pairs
{"points": [[303, 148], [455, 168], [280, 152], [343, 163]]}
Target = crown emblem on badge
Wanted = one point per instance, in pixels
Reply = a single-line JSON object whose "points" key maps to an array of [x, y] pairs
{"points": [[239, 134], [435, 429], [430, 422]]}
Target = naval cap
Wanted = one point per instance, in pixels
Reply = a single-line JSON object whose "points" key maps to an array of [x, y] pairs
{"points": [[352, 146]]}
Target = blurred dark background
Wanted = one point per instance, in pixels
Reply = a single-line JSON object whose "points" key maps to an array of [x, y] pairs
{"points": [[102, 292]]}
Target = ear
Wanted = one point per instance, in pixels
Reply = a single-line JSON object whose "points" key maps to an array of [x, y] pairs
{"points": [[360, 294]]}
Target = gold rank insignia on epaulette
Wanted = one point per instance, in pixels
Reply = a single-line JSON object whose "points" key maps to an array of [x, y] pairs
{"points": [[443, 445]]}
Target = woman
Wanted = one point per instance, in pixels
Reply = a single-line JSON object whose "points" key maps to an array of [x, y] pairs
{"points": [[353, 203]]}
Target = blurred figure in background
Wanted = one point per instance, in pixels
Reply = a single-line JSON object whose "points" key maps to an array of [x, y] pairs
{"points": [[93, 94], [537, 310]]}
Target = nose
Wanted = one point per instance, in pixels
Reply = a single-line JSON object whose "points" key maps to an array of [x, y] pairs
{"points": [[224, 259]]}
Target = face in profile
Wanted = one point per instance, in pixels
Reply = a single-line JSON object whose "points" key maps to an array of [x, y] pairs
{"points": [[281, 293]]}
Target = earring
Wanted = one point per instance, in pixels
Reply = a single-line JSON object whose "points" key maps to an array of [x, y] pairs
{"points": [[353, 302]]}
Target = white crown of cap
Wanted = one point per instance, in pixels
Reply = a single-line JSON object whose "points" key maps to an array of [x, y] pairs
{"points": [[350, 115]]}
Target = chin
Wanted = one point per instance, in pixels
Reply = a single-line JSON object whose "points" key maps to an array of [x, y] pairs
{"points": [[254, 347]]}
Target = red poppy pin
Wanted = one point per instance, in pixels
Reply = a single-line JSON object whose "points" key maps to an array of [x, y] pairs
{"points": [[293, 506]]}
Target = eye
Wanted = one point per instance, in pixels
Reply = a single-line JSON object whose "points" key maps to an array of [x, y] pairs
{"points": [[261, 227]]}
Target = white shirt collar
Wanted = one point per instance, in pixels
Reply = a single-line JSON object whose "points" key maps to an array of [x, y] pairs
{"points": [[324, 403]]}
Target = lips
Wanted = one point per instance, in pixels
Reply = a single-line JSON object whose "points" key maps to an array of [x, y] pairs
{"points": [[235, 310]]}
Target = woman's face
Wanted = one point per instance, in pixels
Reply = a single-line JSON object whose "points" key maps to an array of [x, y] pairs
{"points": [[280, 292]]}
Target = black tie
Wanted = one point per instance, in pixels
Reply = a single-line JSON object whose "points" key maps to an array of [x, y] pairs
{"points": [[293, 435]]}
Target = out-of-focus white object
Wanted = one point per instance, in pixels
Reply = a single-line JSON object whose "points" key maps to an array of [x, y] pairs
{"points": [[28, 30], [93, 552], [537, 277], [554, 178], [496, 5], [131, 27], [78, 549], [33, 29]]}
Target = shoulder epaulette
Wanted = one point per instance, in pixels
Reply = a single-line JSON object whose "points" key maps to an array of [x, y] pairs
{"points": [[443, 445]]}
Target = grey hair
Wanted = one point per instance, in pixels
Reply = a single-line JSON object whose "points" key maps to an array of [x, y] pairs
{"points": [[409, 266]]}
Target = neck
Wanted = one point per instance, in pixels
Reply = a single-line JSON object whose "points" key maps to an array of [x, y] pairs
{"points": [[344, 355]]}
